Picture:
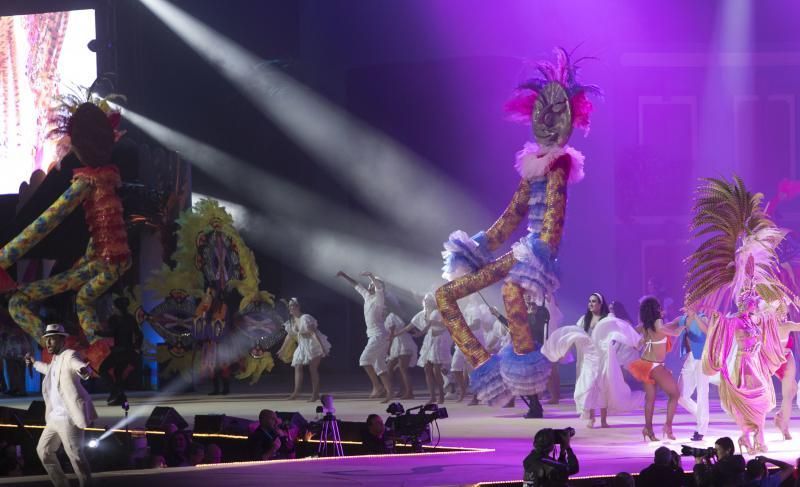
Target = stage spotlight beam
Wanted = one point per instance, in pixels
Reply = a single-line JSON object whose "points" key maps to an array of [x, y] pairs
{"points": [[380, 171]]}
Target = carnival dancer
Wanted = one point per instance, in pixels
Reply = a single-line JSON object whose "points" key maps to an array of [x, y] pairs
{"points": [[403, 352], [692, 378], [555, 103], [311, 347], [599, 382], [650, 370], [434, 355], [373, 358], [69, 408], [737, 262]]}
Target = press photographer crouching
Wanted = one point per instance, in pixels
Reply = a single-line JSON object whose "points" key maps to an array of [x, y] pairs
{"points": [[541, 466], [718, 466], [374, 438]]}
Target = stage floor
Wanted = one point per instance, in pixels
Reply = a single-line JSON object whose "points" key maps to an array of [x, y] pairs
{"points": [[600, 451]]}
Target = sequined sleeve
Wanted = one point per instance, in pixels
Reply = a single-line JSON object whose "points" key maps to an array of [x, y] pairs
{"points": [[46, 223], [501, 229]]}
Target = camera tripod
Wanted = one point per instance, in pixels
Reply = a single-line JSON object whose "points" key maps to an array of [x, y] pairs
{"points": [[330, 435]]}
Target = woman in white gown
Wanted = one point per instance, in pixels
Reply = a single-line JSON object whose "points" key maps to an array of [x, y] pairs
{"points": [[312, 346], [402, 352], [599, 382], [434, 356]]}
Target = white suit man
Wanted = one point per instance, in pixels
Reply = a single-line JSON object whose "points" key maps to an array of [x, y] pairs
{"points": [[68, 408]]}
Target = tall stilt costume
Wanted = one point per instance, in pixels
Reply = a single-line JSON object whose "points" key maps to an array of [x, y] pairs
{"points": [[737, 262], [555, 103], [91, 129]]}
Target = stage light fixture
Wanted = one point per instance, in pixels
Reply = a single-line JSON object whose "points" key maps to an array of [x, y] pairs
{"points": [[93, 443]]}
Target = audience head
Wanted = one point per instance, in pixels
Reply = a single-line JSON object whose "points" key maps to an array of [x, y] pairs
{"points": [[623, 479], [663, 456], [268, 419], [178, 443], [755, 469], [724, 447], [213, 453], [197, 453], [375, 425], [170, 428], [157, 461]]}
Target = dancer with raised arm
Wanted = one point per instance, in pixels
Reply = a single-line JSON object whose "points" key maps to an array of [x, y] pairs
{"points": [[650, 369], [737, 262], [373, 358], [555, 103]]}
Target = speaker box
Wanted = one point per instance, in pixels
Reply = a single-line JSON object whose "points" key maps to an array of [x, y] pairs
{"points": [[162, 416], [221, 424], [36, 413], [12, 415]]}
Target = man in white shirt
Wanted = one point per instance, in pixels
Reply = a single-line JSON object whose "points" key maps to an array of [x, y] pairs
{"points": [[68, 408], [373, 358]]}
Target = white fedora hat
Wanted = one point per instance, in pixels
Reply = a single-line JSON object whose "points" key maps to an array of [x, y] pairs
{"points": [[55, 329]]}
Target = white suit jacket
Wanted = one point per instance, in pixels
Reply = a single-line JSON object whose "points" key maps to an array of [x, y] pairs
{"points": [[76, 400]]}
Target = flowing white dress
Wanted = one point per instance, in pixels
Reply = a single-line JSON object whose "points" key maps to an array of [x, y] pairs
{"points": [[311, 343], [599, 382], [402, 344]]}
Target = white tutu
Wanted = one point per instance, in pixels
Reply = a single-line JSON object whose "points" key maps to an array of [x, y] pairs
{"points": [[401, 344], [437, 343], [311, 343]]}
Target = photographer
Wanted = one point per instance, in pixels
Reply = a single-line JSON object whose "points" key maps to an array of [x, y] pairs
{"points": [[727, 470], [665, 470], [374, 438], [758, 476], [541, 467], [271, 440]]}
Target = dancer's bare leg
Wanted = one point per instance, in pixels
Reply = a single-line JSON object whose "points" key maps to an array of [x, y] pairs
{"points": [[554, 385], [438, 375], [408, 390], [386, 380], [313, 371], [461, 380], [429, 381], [669, 385], [788, 393], [391, 367], [373, 378], [649, 407], [604, 418], [298, 382]]}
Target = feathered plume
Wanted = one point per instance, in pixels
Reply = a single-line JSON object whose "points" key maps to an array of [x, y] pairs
{"points": [[737, 234], [564, 71]]}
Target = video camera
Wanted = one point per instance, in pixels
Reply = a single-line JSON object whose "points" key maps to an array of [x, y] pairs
{"points": [[413, 429], [690, 451]]}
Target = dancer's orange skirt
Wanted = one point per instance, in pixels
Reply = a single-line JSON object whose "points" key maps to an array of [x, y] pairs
{"points": [[641, 370]]}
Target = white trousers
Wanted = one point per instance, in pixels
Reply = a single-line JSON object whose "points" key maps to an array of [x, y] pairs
{"points": [[692, 378], [375, 353], [54, 435]]}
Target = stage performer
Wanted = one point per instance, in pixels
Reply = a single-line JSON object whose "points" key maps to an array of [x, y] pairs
{"points": [[599, 381], [403, 352], [555, 103], [373, 358], [476, 314], [650, 370], [126, 354], [737, 262], [69, 408], [692, 377], [91, 129], [787, 373], [434, 355], [312, 347]]}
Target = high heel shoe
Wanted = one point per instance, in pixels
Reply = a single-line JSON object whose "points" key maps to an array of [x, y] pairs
{"points": [[666, 431], [648, 435], [744, 444], [759, 445]]}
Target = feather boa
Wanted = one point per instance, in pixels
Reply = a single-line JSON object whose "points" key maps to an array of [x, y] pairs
{"points": [[533, 162]]}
